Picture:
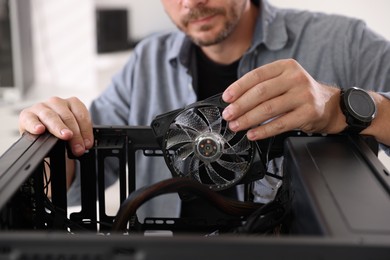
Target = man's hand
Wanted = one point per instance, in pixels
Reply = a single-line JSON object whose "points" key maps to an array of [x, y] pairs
{"points": [[279, 97], [67, 119]]}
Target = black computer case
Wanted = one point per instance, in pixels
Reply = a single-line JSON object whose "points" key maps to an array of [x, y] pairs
{"points": [[337, 188]]}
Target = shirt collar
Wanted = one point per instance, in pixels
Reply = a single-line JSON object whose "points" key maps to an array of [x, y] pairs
{"points": [[270, 30], [180, 51]]}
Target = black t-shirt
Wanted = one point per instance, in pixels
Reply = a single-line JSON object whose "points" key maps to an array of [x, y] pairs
{"points": [[213, 78]]}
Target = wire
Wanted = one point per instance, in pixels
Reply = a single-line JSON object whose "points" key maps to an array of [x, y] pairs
{"points": [[47, 177], [265, 219], [129, 207]]}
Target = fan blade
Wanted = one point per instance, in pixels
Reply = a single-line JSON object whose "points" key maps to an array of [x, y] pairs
{"points": [[194, 168], [228, 134], [242, 146], [213, 118], [214, 176], [236, 167], [180, 161], [180, 136], [183, 152], [191, 120], [179, 166]]}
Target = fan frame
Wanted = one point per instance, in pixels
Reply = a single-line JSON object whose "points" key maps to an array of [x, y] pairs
{"points": [[162, 124]]}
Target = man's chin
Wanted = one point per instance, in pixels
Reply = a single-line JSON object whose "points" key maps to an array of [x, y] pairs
{"points": [[209, 38], [203, 43], [206, 41]]}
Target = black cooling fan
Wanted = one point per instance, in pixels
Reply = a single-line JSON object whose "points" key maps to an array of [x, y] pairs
{"points": [[197, 143]]}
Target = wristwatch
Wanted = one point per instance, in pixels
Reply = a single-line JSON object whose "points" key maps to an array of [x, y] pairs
{"points": [[359, 109]]}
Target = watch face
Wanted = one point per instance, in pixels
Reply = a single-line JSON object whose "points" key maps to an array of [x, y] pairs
{"points": [[361, 104]]}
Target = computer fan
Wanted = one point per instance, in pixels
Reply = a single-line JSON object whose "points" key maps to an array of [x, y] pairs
{"points": [[197, 143]]}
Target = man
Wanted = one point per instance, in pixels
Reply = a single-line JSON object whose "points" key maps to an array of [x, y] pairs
{"points": [[269, 63]]}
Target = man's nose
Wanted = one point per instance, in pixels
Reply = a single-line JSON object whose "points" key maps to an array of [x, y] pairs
{"points": [[193, 3]]}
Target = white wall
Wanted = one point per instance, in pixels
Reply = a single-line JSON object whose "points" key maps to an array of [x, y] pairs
{"points": [[64, 47]]}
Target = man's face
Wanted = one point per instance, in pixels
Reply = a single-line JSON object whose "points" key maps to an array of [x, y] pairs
{"points": [[206, 22]]}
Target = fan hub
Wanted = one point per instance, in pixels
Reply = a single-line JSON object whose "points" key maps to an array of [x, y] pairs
{"points": [[209, 146]]}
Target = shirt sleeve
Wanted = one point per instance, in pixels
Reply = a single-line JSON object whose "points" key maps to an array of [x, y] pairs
{"points": [[368, 55]]}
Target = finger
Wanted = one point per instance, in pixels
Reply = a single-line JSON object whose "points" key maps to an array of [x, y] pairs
{"points": [[29, 122], [264, 112], [84, 121], [72, 113], [252, 78], [275, 127], [254, 96], [284, 123], [302, 118], [39, 118]]}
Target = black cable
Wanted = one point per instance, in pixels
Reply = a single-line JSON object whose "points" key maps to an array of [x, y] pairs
{"points": [[46, 178], [129, 207], [265, 219]]}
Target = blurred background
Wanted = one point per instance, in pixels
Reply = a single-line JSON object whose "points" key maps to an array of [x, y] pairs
{"points": [[73, 48]]}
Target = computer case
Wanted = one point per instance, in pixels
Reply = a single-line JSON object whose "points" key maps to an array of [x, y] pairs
{"points": [[337, 188]]}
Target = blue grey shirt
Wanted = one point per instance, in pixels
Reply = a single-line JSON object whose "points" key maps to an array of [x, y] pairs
{"points": [[158, 77]]}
